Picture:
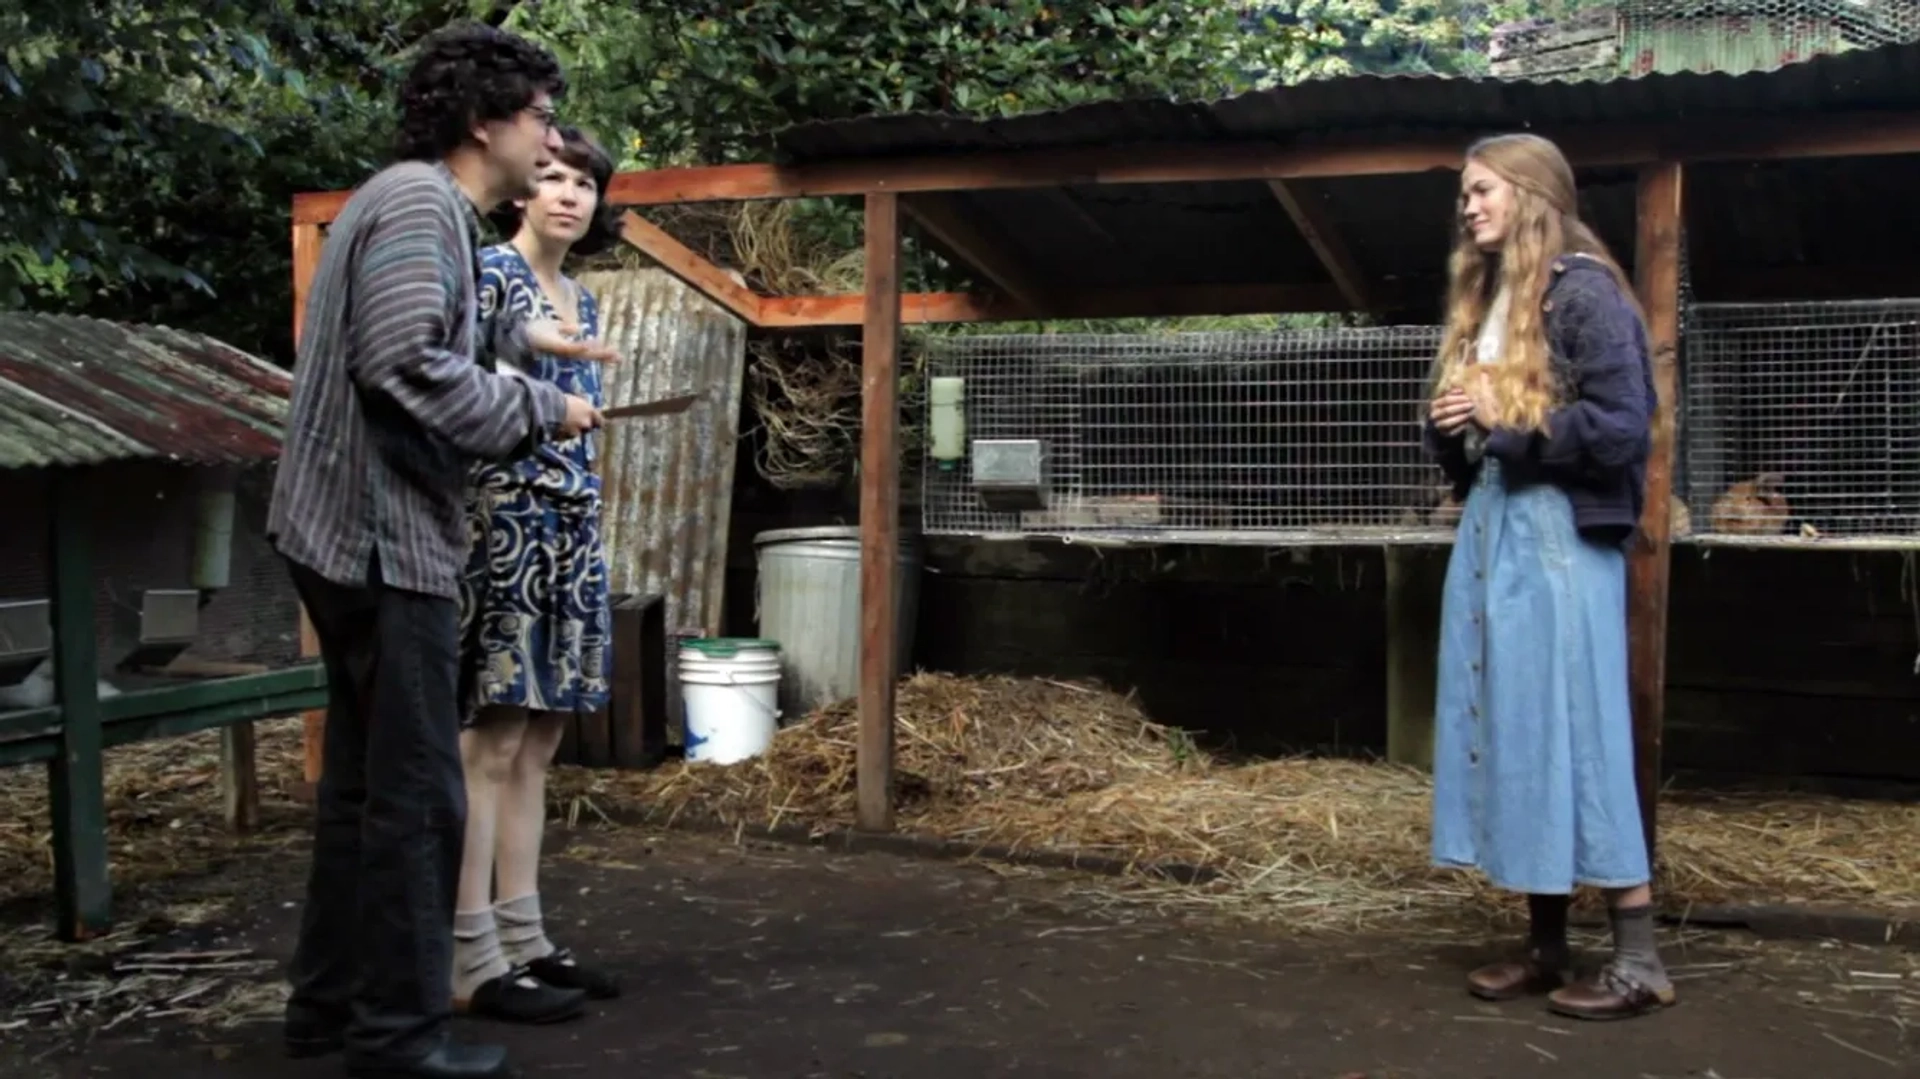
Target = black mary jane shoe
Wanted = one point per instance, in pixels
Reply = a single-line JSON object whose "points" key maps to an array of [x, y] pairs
{"points": [[519, 997], [561, 970]]}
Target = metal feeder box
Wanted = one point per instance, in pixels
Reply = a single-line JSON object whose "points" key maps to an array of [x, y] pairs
{"points": [[26, 638], [1010, 473], [168, 621]]}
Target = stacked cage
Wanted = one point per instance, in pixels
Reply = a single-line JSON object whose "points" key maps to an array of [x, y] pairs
{"points": [[1298, 436], [1802, 423], [1643, 37]]}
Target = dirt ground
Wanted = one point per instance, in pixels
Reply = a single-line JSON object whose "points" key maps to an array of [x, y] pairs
{"points": [[795, 963]]}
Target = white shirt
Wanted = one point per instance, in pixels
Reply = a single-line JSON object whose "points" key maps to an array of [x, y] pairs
{"points": [[1488, 348]]}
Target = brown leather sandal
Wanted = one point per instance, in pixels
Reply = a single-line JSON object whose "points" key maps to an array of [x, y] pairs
{"points": [[1610, 994], [1516, 978]]}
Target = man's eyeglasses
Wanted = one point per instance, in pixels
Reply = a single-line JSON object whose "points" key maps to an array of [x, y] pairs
{"points": [[544, 115]]}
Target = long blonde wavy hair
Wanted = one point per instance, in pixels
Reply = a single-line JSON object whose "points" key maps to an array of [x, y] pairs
{"points": [[1545, 225]]}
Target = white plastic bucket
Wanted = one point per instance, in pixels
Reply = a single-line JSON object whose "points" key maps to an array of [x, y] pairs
{"points": [[730, 692]]}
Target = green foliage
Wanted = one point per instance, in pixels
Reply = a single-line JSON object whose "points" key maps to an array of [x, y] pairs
{"points": [[149, 149], [708, 80]]}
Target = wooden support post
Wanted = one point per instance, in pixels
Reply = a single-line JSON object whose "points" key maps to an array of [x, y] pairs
{"points": [[1656, 262], [76, 779], [239, 763], [306, 262], [1415, 578], [879, 511], [313, 724], [240, 777]]}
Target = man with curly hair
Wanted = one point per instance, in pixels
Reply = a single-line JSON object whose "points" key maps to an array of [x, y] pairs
{"points": [[394, 398]]}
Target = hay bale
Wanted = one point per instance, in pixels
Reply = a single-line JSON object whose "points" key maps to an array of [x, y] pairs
{"points": [[1047, 764]]}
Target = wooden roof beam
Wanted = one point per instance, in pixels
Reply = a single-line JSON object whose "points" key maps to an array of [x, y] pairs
{"points": [[945, 221], [1721, 139], [1322, 233], [684, 263], [798, 312], [1774, 138]]}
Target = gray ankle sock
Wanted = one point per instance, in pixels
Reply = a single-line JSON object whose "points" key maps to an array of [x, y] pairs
{"points": [[476, 952], [1635, 953], [523, 935]]}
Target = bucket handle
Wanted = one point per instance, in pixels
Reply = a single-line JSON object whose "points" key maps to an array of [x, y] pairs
{"points": [[755, 700]]}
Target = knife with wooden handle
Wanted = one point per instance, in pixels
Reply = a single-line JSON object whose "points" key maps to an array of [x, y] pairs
{"points": [[666, 406]]}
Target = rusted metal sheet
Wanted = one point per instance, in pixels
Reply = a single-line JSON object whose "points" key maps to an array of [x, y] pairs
{"points": [[1382, 106], [82, 391], [668, 480]]}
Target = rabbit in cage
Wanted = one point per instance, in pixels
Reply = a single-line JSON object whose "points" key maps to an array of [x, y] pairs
{"points": [[1429, 505], [1752, 507]]}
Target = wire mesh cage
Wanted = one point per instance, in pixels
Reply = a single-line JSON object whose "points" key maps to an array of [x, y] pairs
{"points": [[1293, 436], [1801, 422], [1644, 37], [149, 614]]}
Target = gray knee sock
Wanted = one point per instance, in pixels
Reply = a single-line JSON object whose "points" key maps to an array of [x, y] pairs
{"points": [[476, 952], [523, 935], [1634, 952]]}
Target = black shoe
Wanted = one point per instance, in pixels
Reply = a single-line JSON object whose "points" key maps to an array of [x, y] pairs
{"points": [[449, 1061], [562, 972], [518, 997], [313, 1032]]}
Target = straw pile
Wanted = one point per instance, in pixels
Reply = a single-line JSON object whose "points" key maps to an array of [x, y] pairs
{"points": [[1041, 764], [168, 843], [163, 812], [126, 977]]}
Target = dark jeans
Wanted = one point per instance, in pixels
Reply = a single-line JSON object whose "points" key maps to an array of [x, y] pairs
{"points": [[376, 938]]}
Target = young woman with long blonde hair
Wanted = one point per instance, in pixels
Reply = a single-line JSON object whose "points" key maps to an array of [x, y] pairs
{"points": [[1541, 410]]}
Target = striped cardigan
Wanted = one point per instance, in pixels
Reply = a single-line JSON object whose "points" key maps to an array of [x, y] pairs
{"points": [[394, 395]]}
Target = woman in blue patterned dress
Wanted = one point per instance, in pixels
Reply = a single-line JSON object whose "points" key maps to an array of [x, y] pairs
{"points": [[535, 623], [1541, 416]]}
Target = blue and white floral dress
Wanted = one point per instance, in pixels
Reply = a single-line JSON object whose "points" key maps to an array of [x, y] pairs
{"points": [[534, 606]]}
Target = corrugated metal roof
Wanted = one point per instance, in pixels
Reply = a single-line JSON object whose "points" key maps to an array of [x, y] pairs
{"points": [[1384, 105], [1140, 236], [77, 391]]}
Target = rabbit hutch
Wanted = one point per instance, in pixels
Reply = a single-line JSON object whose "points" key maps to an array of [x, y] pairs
{"points": [[139, 598], [1328, 197], [1631, 38]]}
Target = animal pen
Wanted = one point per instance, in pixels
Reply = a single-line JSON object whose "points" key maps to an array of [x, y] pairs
{"points": [[1725, 195], [139, 599]]}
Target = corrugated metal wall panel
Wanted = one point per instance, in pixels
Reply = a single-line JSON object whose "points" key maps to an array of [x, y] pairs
{"points": [[668, 480]]}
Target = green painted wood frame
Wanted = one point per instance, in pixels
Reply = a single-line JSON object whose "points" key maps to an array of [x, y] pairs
{"points": [[72, 736]]}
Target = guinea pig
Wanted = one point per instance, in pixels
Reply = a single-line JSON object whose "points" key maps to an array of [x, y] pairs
{"points": [[1755, 507]]}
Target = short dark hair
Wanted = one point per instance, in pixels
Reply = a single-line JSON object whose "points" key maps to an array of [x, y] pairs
{"points": [[466, 74], [577, 150]]}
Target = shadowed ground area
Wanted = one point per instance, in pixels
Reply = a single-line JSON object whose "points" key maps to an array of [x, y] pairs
{"points": [[757, 962]]}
